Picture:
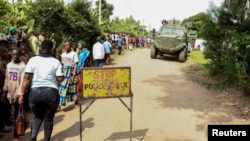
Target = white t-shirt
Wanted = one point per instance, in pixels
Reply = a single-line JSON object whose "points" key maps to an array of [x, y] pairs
{"points": [[69, 59], [45, 70], [13, 79], [98, 51]]}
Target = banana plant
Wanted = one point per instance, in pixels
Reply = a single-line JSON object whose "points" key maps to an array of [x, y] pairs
{"points": [[5, 9], [18, 13]]}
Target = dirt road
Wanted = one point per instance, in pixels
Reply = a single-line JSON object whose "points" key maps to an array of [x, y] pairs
{"points": [[168, 106]]}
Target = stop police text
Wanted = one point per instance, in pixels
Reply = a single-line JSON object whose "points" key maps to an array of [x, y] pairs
{"points": [[120, 85], [104, 74]]}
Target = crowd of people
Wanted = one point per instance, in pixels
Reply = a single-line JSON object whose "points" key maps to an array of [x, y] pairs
{"points": [[129, 41], [14, 55], [27, 78]]}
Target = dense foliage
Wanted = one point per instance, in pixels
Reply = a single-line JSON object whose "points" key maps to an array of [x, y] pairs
{"points": [[13, 13], [227, 35], [71, 21], [197, 21], [76, 20]]}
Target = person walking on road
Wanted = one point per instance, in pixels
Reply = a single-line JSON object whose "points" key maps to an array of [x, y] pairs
{"points": [[44, 94], [98, 52], [142, 41], [119, 45], [68, 88], [107, 49]]}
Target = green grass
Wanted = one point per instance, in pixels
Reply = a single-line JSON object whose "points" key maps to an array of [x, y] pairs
{"points": [[199, 59]]}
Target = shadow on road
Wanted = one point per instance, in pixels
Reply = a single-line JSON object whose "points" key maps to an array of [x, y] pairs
{"points": [[67, 133], [26, 137], [168, 58], [181, 93], [137, 134]]}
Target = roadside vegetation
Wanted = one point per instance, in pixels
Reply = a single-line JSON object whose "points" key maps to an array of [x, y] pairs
{"points": [[227, 33], [203, 71], [199, 59], [76, 20]]}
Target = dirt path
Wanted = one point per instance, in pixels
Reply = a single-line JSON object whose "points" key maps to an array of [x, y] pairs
{"points": [[169, 105]]}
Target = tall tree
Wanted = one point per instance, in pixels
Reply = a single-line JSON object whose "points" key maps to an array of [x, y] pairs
{"points": [[73, 20], [228, 40], [197, 21], [128, 25], [49, 15], [83, 26]]}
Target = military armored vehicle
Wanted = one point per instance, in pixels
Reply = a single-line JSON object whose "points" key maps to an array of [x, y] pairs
{"points": [[171, 39]]}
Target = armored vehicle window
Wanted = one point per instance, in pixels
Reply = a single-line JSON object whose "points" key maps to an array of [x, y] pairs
{"points": [[178, 31], [168, 30]]}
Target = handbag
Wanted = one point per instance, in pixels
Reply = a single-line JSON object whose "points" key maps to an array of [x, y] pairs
{"points": [[20, 126]]}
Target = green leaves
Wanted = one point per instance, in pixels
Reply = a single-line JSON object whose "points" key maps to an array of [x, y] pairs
{"points": [[5, 8], [227, 33], [128, 25]]}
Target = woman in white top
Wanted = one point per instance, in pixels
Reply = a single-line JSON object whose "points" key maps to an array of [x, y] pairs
{"points": [[44, 94]]}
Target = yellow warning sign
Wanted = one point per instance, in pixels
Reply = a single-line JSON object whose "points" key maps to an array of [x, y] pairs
{"points": [[106, 82]]}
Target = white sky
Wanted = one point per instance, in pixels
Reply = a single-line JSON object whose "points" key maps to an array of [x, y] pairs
{"points": [[151, 12]]}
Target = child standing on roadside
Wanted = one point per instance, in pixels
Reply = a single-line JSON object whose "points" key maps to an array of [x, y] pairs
{"points": [[12, 85]]}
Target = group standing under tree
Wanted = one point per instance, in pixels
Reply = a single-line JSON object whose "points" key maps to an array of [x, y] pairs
{"points": [[44, 88]]}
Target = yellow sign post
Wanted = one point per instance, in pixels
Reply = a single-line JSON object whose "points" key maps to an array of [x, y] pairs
{"points": [[106, 82]]}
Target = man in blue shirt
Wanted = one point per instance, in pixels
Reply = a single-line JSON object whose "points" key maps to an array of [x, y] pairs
{"points": [[107, 50], [119, 45]]}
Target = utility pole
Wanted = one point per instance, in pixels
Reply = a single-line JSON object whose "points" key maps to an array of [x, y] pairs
{"points": [[143, 27], [100, 11], [149, 29]]}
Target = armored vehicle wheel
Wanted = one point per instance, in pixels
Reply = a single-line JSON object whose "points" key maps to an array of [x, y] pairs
{"points": [[182, 55], [153, 53]]}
